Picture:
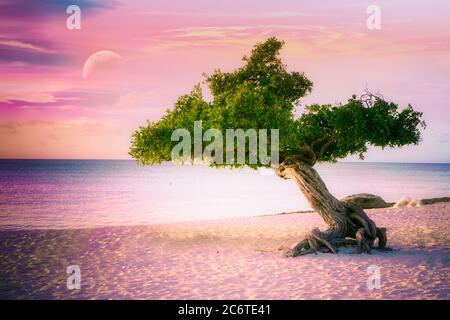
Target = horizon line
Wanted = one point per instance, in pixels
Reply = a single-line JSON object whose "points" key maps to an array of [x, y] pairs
{"points": [[127, 159]]}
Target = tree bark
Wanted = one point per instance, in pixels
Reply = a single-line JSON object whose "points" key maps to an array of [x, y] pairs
{"points": [[347, 224]]}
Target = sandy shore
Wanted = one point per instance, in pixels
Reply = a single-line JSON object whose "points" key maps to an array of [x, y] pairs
{"points": [[228, 259]]}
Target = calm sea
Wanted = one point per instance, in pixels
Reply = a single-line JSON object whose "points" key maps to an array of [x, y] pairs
{"points": [[41, 194]]}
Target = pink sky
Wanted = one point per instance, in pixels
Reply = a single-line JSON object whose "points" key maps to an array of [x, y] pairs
{"points": [[49, 111]]}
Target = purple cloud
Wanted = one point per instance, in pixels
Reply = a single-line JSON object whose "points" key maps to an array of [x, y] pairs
{"points": [[39, 9], [30, 56], [22, 43]]}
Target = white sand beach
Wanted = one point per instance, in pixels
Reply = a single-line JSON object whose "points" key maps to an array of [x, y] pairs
{"points": [[228, 259]]}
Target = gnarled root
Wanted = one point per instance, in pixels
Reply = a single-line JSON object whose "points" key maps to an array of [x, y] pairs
{"points": [[347, 223], [315, 241], [359, 231]]}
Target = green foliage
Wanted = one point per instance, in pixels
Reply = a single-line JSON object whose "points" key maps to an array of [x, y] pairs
{"points": [[262, 95], [351, 127]]}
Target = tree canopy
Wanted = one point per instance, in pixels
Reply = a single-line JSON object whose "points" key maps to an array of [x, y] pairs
{"points": [[262, 94]]}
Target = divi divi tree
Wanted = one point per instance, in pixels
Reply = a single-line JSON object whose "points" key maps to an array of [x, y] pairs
{"points": [[263, 94]]}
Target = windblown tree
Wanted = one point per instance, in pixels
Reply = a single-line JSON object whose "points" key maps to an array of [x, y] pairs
{"points": [[263, 94]]}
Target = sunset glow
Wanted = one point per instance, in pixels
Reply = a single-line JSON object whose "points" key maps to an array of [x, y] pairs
{"points": [[49, 110]]}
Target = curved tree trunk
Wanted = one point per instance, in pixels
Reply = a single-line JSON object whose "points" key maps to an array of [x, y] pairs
{"points": [[347, 223]]}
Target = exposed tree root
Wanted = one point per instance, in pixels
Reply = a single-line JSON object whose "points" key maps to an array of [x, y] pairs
{"points": [[359, 232], [348, 224], [315, 242]]}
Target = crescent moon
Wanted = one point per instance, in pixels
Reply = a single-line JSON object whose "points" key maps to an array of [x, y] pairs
{"points": [[97, 59]]}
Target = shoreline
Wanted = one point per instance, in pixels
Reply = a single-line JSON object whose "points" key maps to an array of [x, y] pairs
{"points": [[424, 202], [233, 258]]}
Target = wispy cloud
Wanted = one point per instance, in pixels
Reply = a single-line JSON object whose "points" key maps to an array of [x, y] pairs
{"points": [[257, 15], [306, 37], [210, 32], [16, 50], [27, 97], [81, 125], [18, 44]]}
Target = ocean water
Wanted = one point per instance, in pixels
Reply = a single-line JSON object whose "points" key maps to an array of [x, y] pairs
{"points": [[56, 194]]}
